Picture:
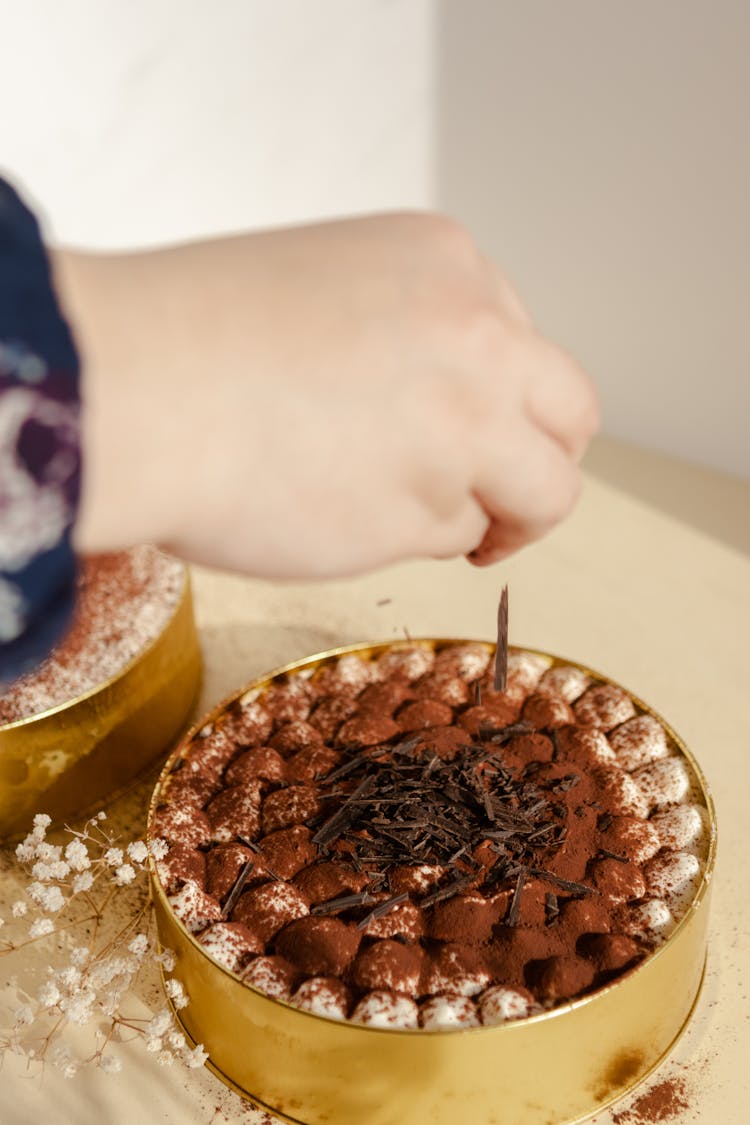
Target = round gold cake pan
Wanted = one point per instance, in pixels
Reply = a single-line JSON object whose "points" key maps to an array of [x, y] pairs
{"points": [[69, 759], [556, 1068]]}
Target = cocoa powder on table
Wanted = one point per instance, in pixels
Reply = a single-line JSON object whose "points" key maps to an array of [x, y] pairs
{"points": [[664, 1102]]}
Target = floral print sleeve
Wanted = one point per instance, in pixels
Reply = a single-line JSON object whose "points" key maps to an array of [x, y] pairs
{"points": [[39, 447]]}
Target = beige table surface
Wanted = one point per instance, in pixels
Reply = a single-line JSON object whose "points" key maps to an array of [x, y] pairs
{"points": [[649, 581]]}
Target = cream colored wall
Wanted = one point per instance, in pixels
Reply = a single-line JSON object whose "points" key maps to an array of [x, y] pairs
{"points": [[151, 120], [601, 150]]}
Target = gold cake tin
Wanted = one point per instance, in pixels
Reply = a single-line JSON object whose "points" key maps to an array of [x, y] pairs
{"points": [[69, 759], [556, 1068]]}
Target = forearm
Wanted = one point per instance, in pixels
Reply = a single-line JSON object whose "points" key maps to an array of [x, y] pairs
{"points": [[319, 401], [132, 353]]}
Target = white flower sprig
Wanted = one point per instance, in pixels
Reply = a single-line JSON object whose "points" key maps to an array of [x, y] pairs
{"points": [[69, 901]]}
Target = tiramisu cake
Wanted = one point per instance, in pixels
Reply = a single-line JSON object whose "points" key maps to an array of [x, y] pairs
{"points": [[123, 601], [389, 840]]}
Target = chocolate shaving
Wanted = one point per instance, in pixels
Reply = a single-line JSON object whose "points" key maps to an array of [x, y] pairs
{"points": [[394, 807], [335, 825], [448, 891], [563, 784], [564, 884], [383, 908], [551, 907], [346, 768], [237, 889], [254, 848], [344, 902], [604, 853], [504, 734], [501, 651], [514, 911]]}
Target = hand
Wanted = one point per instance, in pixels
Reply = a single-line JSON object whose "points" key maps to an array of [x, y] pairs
{"points": [[321, 400]]}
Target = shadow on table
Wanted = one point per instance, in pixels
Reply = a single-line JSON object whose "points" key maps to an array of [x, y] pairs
{"points": [[714, 503]]}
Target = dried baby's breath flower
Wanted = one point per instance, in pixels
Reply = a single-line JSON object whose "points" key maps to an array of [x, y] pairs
{"points": [[166, 959], [159, 1024], [124, 875], [110, 1003], [79, 1007], [51, 899], [69, 977], [49, 995], [139, 945], [176, 993], [41, 927], [137, 851], [82, 882], [77, 855], [35, 892], [88, 984], [195, 1058], [158, 848]]}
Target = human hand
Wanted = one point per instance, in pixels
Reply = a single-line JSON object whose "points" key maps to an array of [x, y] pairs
{"points": [[321, 400]]}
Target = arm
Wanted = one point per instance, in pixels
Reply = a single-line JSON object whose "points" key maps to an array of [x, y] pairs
{"points": [[320, 400]]}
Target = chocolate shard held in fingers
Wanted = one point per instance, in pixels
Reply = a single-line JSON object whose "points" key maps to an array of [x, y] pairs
{"points": [[501, 650]]}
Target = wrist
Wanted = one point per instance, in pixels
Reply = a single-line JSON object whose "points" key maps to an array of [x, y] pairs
{"points": [[126, 471]]}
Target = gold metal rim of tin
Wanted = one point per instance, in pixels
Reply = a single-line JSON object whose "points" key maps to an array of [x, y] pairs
{"points": [[556, 1068], [67, 760]]}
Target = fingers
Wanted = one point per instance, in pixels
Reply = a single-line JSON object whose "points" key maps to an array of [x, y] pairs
{"points": [[526, 488], [457, 537], [559, 398], [506, 296]]}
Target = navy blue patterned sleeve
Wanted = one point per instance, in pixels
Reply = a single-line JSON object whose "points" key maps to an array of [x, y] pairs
{"points": [[39, 447]]}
